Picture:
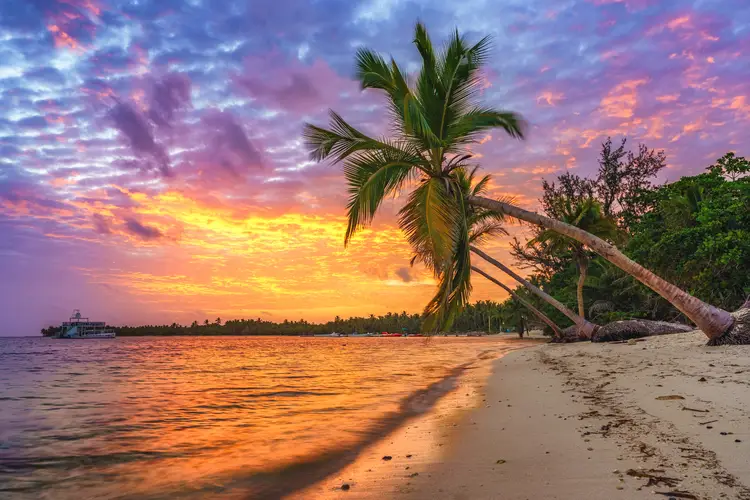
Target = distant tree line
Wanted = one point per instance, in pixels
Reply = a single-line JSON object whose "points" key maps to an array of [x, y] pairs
{"points": [[482, 316]]}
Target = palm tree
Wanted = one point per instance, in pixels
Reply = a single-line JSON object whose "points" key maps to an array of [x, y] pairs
{"points": [[513, 314], [537, 312], [435, 119], [584, 214], [481, 223]]}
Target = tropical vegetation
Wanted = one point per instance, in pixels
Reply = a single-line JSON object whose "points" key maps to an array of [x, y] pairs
{"points": [[435, 119], [694, 232]]}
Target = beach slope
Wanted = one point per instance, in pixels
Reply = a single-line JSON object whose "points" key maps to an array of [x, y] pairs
{"points": [[665, 415]]}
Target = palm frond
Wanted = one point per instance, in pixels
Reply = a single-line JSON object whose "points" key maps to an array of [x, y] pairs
{"points": [[481, 186], [480, 232], [342, 140], [373, 72], [431, 221], [371, 177], [467, 127], [453, 292], [461, 78]]}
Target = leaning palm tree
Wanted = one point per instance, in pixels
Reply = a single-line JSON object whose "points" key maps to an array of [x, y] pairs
{"points": [[434, 120], [584, 328], [585, 214], [539, 314], [481, 223]]}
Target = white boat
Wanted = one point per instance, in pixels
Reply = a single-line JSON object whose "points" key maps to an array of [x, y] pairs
{"points": [[334, 334], [79, 327]]}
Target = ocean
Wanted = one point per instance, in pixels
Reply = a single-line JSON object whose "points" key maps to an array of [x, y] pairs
{"points": [[209, 417]]}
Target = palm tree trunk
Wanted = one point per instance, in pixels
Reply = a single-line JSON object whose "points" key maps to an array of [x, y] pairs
{"points": [[537, 312], [585, 329], [713, 321], [583, 266]]}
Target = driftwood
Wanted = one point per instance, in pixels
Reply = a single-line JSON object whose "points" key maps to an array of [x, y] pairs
{"points": [[637, 328], [569, 334]]}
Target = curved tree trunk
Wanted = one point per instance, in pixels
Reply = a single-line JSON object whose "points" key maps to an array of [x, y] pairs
{"points": [[585, 328], [583, 267], [713, 321], [539, 314]]}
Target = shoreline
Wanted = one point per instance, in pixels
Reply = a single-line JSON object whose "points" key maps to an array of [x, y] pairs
{"points": [[415, 445], [662, 417]]}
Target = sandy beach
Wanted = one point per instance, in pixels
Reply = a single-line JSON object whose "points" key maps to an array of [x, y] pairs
{"points": [[665, 417]]}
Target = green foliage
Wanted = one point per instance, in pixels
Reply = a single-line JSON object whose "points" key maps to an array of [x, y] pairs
{"points": [[697, 236], [731, 166], [694, 233]]}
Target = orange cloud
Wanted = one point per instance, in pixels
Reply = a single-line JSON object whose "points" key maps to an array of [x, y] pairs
{"points": [[551, 98], [622, 99], [668, 98], [679, 22]]}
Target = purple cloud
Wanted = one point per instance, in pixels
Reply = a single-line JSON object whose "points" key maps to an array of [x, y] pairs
{"points": [[146, 233], [139, 134], [170, 94]]}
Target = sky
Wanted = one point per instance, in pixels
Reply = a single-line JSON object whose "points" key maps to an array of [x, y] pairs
{"points": [[152, 168]]}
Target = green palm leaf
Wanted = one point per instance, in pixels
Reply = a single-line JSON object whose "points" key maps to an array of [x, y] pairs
{"points": [[431, 219]]}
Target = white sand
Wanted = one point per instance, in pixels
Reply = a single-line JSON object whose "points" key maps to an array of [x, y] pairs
{"points": [[570, 421]]}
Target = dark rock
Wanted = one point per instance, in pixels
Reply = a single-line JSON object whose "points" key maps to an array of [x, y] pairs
{"points": [[737, 440], [702, 379], [637, 328], [408, 456], [345, 487], [415, 474], [387, 457]]}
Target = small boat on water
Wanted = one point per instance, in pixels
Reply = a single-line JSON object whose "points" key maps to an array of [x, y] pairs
{"points": [[334, 334], [79, 327]]}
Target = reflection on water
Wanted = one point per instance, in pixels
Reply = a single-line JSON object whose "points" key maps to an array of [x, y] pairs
{"points": [[184, 417]]}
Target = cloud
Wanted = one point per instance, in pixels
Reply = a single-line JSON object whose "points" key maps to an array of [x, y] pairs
{"points": [[139, 134], [141, 231], [101, 224], [169, 94], [230, 139], [404, 273], [293, 86]]}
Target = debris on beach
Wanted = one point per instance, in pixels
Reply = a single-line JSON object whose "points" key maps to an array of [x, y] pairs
{"points": [[636, 329], [653, 478]]}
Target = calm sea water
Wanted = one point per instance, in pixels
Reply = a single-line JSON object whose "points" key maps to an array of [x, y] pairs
{"points": [[207, 417]]}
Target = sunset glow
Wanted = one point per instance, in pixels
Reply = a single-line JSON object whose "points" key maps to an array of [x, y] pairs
{"points": [[153, 171]]}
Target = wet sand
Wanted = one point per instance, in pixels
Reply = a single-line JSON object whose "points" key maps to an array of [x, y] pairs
{"points": [[666, 417]]}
